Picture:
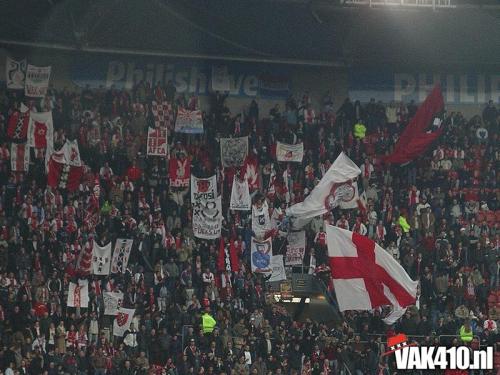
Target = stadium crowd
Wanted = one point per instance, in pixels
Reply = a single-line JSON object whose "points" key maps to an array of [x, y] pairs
{"points": [[437, 215]]}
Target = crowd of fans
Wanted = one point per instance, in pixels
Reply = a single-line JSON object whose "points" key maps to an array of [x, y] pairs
{"points": [[438, 216]]}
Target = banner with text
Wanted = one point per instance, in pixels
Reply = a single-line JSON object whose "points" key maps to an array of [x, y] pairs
{"points": [[462, 88], [207, 208], [37, 81]]}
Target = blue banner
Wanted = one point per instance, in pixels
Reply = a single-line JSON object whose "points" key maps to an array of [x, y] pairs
{"points": [[459, 88], [189, 76]]}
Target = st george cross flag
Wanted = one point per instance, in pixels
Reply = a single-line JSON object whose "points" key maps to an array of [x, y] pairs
{"points": [[112, 302], [365, 276], [179, 170], [324, 196], [296, 248], [17, 126], [37, 81], [157, 142], [41, 130], [122, 321], [240, 196], [101, 259], [261, 222], [289, 153], [15, 73], [19, 157], [78, 294], [123, 247], [190, 122], [163, 114], [65, 168], [233, 151]]}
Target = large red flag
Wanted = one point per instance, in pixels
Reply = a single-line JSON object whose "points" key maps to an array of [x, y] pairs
{"points": [[414, 139]]}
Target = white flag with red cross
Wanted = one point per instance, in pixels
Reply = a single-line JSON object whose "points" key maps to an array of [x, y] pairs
{"points": [[122, 321], [365, 276]]}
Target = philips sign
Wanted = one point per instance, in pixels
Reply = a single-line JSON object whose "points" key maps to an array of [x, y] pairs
{"points": [[461, 89]]}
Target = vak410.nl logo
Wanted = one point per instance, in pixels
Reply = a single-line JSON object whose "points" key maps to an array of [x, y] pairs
{"points": [[411, 357]]}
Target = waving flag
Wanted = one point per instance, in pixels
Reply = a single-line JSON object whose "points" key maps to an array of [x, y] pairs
{"points": [[332, 188], [78, 294], [414, 140], [122, 321], [365, 276]]}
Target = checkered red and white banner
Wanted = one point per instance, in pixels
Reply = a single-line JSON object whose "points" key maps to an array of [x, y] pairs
{"points": [[163, 114]]}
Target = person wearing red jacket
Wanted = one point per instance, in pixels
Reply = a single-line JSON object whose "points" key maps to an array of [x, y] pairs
{"points": [[134, 172]]}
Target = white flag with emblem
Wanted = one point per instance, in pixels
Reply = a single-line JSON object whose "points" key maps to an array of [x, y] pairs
{"points": [[122, 321]]}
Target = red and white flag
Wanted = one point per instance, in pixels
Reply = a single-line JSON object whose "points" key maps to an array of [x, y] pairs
{"points": [[41, 130], [365, 276], [17, 126], [78, 294], [65, 168], [163, 114], [122, 321], [251, 172], [228, 257], [157, 142], [19, 157], [179, 172]]}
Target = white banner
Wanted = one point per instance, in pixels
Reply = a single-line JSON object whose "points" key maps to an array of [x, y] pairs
{"points": [[289, 153], [220, 78], [233, 151], [296, 248], [157, 142], [189, 121], [122, 321], [240, 196], [101, 259], [278, 269], [207, 208], [78, 294], [261, 253], [123, 247], [261, 222], [112, 302], [19, 157], [15, 73], [37, 81]]}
